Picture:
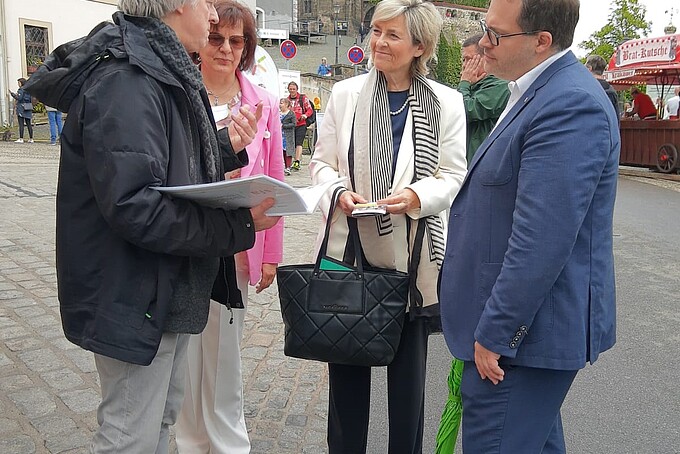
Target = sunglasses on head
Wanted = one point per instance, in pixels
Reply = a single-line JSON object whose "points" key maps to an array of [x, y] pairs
{"points": [[235, 41]]}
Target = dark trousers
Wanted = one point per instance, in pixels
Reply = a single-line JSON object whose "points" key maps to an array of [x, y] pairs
{"points": [[519, 415], [27, 121], [350, 397]]}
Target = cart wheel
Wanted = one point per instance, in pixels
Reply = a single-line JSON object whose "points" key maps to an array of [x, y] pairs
{"points": [[667, 158]]}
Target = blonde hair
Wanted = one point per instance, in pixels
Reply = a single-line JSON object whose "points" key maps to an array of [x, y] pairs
{"points": [[423, 24]]}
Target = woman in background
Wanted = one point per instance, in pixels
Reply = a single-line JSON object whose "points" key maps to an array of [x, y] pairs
{"points": [[24, 112], [400, 138], [212, 420]]}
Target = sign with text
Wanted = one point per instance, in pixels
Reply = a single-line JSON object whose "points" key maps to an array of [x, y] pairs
{"points": [[285, 77], [272, 33], [661, 49]]}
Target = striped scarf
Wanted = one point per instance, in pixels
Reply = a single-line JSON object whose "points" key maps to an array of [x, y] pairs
{"points": [[373, 154]]}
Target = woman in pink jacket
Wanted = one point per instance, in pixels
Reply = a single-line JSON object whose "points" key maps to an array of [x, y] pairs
{"points": [[212, 418]]}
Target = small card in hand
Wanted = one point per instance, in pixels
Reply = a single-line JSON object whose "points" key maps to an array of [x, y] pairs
{"points": [[368, 209]]}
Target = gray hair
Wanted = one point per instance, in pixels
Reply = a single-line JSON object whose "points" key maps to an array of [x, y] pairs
{"points": [[596, 64], [152, 8], [423, 24]]}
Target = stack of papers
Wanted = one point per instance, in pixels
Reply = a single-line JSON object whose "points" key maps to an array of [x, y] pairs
{"points": [[250, 191]]}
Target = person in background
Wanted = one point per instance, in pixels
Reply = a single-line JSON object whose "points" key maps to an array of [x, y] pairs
{"points": [[135, 267], [212, 419], [643, 106], [24, 109], [596, 65], [400, 138], [324, 68], [527, 286], [484, 95], [302, 108], [288, 131], [672, 106], [56, 124]]}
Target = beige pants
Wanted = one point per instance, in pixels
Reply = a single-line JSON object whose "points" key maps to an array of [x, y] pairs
{"points": [[212, 420]]}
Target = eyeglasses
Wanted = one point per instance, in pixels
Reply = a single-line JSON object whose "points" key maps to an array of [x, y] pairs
{"points": [[495, 38], [236, 42]]}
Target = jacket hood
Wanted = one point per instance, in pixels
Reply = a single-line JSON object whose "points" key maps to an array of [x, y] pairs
{"points": [[59, 80]]}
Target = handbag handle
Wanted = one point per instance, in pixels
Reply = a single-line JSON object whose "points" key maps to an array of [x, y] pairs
{"points": [[354, 234]]}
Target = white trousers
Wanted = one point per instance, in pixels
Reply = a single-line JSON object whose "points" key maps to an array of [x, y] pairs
{"points": [[140, 403], [212, 420]]}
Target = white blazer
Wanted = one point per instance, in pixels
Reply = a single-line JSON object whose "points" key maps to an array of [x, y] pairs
{"points": [[436, 193]]}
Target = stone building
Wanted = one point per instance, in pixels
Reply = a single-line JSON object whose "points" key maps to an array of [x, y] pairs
{"points": [[351, 15]]}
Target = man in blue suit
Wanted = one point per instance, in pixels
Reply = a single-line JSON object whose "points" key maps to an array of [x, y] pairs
{"points": [[527, 285]]}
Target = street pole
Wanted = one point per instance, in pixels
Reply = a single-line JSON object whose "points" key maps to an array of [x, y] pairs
{"points": [[336, 11], [336, 39]]}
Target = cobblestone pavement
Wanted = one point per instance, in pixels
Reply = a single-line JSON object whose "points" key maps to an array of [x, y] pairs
{"points": [[49, 388]]}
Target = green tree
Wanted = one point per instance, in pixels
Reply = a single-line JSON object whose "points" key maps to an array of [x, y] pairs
{"points": [[477, 3], [626, 21], [449, 63]]}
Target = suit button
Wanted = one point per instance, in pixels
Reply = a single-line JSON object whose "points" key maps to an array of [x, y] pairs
{"points": [[516, 339], [523, 328], [519, 333], [513, 344]]}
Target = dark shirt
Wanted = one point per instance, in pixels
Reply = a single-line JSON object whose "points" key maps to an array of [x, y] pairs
{"points": [[611, 94], [396, 100]]}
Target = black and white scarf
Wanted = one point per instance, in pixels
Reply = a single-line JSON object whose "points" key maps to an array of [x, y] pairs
{"points": [[373, 154], [165, 43]]}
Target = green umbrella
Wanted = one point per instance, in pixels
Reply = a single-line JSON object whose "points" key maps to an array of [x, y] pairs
{"points": [[453, 411]]}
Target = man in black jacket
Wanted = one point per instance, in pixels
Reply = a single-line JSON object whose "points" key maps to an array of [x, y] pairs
{"points": [[136, 268], [596, 65]]}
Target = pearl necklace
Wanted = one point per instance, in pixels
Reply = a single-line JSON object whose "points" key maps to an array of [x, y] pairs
{"points": [[401, 109]]}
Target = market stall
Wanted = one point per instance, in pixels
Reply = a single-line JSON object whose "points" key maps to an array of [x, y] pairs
{"points": [[648, 143]]}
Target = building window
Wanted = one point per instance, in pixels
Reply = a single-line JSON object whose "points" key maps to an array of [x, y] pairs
{"points": [[307, 6], [37, 45], [35, 41]]}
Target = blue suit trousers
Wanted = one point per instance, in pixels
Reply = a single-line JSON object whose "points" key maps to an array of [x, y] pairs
{"points": [[519, 415]]}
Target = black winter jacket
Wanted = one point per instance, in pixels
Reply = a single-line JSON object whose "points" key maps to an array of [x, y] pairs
{"points": [[120, 243]]}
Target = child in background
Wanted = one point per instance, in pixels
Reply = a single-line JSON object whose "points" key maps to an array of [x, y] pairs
{"points": [[288, 122]]}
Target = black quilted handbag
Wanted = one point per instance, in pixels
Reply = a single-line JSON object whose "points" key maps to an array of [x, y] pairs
{"points": [[339, 313]]}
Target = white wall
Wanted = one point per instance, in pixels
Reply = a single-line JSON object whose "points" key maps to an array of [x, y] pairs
{"points": [[67, 20]]}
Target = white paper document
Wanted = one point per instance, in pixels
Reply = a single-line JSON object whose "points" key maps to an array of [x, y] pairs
{"points": [[248, 192]]}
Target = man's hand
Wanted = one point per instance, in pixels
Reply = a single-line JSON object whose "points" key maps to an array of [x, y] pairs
{"points": [[473, 70], [243, 126], [401, 201], [260, 220], [487, 364], [268, 274]]}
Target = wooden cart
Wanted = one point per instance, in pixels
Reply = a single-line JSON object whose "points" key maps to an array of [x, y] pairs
{"points": [[645, 61], [651, 143]]}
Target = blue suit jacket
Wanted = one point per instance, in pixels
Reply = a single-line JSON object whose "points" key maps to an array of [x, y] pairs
{"points": [[529, 270]]}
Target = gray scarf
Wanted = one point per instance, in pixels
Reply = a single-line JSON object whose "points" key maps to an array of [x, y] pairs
{"points": [[167, 46]]}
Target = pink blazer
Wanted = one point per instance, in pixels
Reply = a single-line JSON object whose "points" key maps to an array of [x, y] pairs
{"points": [[265, 155]]}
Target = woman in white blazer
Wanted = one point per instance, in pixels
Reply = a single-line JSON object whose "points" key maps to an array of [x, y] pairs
{"points": [[400, 140]]}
